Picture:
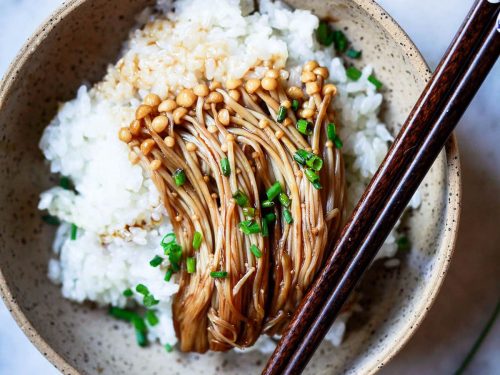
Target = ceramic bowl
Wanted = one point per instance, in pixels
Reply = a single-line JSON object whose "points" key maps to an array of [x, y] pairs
{"points": [[75, 45]]}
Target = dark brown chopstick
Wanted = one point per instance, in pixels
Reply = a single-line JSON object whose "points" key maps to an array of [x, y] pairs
{"points": [[455, 82]]}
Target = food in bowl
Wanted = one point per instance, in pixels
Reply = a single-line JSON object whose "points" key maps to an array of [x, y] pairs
{"points": [[203, 177]]}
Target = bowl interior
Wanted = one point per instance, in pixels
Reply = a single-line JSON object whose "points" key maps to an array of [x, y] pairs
{"points": [[75, 46]]}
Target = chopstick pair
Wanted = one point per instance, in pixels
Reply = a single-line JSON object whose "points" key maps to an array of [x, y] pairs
{"points": [[465, 65]]}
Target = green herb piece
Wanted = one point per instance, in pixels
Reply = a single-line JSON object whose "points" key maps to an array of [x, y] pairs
{"points": [[331, 131], [218, 274], [375, 81], [340, 41], [156, 261], [284, 200], [52, 220], [168, 239], [65, 183], [226, 167], [255, 251], [140, 331], [274, 191], [128, 292], [317, 185], [179, 177], [325, 34], [304, 127], [74, 231], [353, 73], [267, 204], [287, 215], [295, 105], [270, 217], [197, 238], [191, 265], [240, 198], [150, 301], [353, 54], [122, 314], [301, 156], [168, 274], [264, 227], [249, 227], [281, 114], [169, 348], [311, 175], [314, 162], [403, 243], [338, 142], [248, 212], [142, 289], [151, 318]]}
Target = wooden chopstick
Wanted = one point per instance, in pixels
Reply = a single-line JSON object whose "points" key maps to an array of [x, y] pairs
{"points": [[455, 82]]}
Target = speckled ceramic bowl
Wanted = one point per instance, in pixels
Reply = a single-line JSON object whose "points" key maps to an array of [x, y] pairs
{"points": [[74, 46]]}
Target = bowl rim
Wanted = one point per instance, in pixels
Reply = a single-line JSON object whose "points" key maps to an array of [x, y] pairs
{"points": [[453, 184]]}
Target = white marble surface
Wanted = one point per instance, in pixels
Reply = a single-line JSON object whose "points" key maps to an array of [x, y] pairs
{"points": [[472, 286]]}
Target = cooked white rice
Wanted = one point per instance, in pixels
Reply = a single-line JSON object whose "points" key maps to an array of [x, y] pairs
{"points": [[117, 208]]}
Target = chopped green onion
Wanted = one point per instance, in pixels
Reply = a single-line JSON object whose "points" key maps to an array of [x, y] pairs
{"points": [[301, 156], [331, 131], [324, 34], [274, 191], [226, 167], [65, 183], [128, 292], [315, 162], [403, 243], [311, 175], [169, 348], [149, 301], [270, 217], [168, 274], [240, 198], [191, 265], [317, 185], [255, 251], [375, 81], [338, 142], [281, 114], [287, 215], [267, 204], [264, 227], [174, 253], [168, 239], [295, 105], [218, 274], [74, 231], [340, 41], [156, 261], [151, 318], [141, 338], [353, 73], [353, 54], [140, 331], [249, 227], [52, 220], [121, 314], [179, 177], [284, 200], [142, 289], [304, 127], [197, 238], [248, 211]]}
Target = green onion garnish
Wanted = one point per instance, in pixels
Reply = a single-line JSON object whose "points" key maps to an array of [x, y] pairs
{"points": [[142, 289], [287, 215], [249, 227], [174, 253], [191, 265], [179, 177], [218, 274], [281, 114], [324, 34], [52, 220], [169, 348], [304, 127], [403, 243], [74, 231], [301, 156], [128, 292], [315, 162], [375, 81], [149, 301], [122, 314], [353, 73], [273, 191], [151, 318], [226, 167], [168, 239], [340, 41], [255, 251], [156, 261], [197, 238], [317, 185], [353, 54], [331, 131], [168, 274], [140, 337], [338, 142], [267, 204], [264, 227], [140, 331], [248, 211], [311, 175], [295, 105], [270, 217], [240, 198], [65, 183], [284, 200]]}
